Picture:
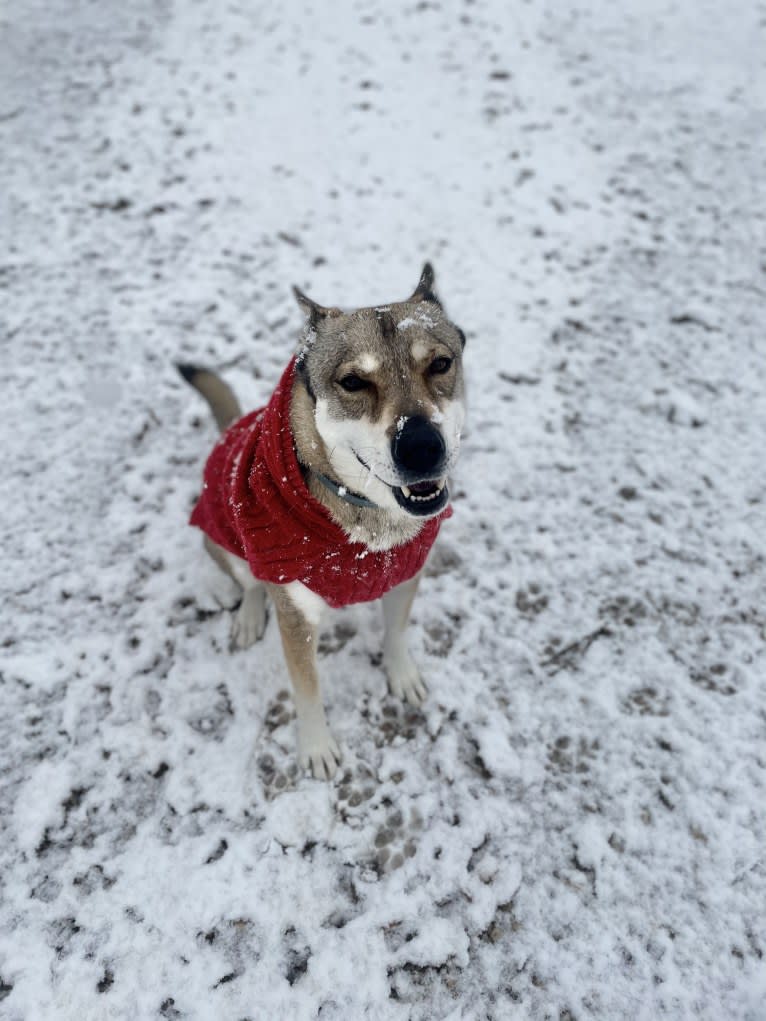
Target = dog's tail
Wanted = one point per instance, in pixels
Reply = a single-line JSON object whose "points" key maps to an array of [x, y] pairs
{"points": [[219, 395]]}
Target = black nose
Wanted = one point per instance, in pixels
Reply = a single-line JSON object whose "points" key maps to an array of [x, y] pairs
{"points": [[418, 447]]}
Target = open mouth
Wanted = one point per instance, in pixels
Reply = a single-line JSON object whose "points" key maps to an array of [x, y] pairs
{"points": [[419, 498], [422, 497]]}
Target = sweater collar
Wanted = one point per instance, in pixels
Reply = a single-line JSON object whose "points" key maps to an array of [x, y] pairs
{"points": [[278, 449]]}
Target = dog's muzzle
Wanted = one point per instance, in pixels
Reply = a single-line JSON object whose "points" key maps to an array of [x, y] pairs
{"points": [[419, 453]]}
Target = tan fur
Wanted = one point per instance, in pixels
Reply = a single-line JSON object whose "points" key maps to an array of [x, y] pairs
{"points": [[220, 397], [403, 387], [299, 640], [218, 553], [404, 677]]}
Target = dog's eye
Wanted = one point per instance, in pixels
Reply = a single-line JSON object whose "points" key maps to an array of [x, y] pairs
{"points": [[352, 383], [439, 366]]}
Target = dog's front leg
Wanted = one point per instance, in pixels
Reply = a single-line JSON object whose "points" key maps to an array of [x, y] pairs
{"points": [[403, 676], [298, 614]]}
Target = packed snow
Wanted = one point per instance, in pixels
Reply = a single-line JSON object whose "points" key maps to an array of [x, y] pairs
{"points": [[573, 826]]}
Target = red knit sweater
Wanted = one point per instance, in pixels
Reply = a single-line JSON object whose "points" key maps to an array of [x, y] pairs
{"points": [[255, 503]]}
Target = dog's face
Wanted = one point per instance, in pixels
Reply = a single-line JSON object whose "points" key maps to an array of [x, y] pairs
{"points": [[387, 383]]}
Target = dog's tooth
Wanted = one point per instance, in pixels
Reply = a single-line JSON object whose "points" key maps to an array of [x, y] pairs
{"points": [[438, 487]]}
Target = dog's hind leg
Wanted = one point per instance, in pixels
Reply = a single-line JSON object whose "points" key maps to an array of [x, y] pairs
{"points": [[249, 620], [298, 614], [403, 676]]}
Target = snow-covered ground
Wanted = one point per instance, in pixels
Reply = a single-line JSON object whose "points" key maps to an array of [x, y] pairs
{"points": [[574, 826]]}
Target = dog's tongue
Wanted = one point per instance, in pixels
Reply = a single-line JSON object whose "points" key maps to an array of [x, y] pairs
{"points": [[422, 487]]}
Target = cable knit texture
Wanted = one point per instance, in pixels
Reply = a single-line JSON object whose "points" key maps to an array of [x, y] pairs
{"points": [[255, 503]]}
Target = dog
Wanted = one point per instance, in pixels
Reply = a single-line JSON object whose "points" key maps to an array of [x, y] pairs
{"points": [[335, 491]]}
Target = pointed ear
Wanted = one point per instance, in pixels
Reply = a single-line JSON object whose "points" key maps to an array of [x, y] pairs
{"points": [[311, 309], [425, 289]]}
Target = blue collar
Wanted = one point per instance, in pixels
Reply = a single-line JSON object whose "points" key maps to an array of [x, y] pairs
{"points": [[343, 493]]}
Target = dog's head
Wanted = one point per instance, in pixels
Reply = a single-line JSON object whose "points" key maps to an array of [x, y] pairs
{"points": [[387, 387]]}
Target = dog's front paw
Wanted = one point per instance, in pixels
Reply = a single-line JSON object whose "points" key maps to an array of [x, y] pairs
{"points": [[249, 621], [404, 679], [320, 754]]}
